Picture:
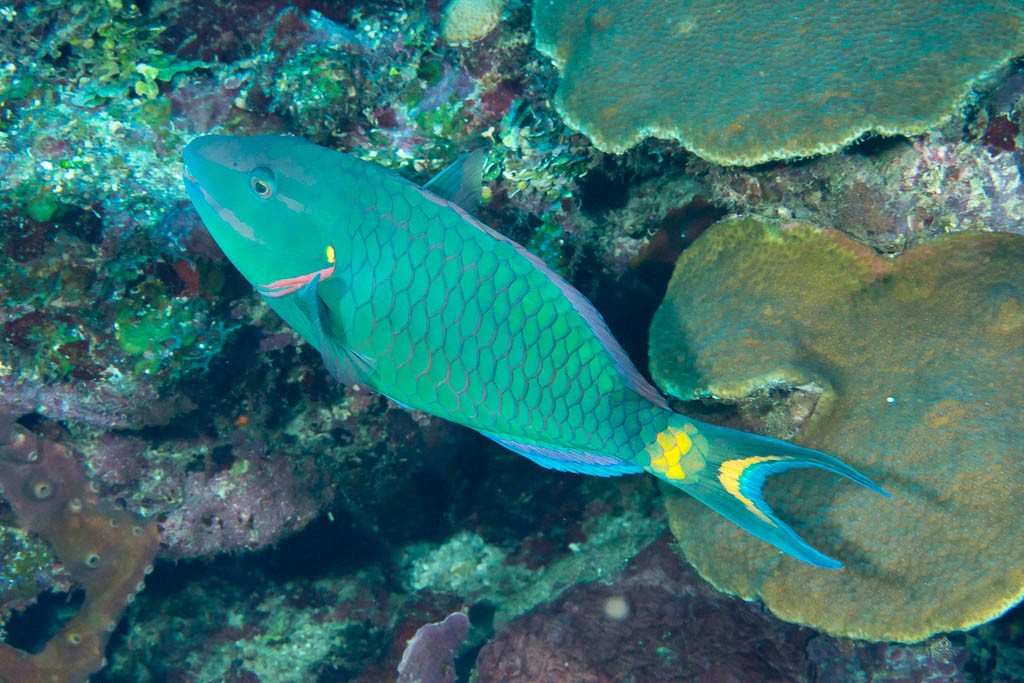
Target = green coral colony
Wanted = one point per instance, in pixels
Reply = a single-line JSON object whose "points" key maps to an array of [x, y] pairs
{"points": [[769, 80], [918, 361]]}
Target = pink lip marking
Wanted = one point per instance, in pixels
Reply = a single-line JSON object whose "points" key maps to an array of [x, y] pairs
{"points": [[290, 285]]}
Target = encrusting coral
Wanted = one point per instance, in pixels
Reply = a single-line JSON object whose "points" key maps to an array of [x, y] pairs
{"points": [[106, 550], [771, 80], [909, 370]]}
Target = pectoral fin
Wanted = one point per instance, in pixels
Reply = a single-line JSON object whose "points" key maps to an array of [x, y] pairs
{"points": [[345, 364]]}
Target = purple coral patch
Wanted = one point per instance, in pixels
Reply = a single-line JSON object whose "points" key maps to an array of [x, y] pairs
{"points": [[430, 655]]}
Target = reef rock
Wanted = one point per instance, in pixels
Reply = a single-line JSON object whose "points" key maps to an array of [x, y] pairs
{"points": [[659, 623]]}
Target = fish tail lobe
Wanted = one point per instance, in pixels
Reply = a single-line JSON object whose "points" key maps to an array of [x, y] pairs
{"points": [[725, 469]]}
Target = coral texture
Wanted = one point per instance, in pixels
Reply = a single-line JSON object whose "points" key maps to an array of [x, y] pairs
{"points": [[905, 193], [106, 550], [917, 362], [465, 21], [430, 655], [659, 623], [770, 80]]}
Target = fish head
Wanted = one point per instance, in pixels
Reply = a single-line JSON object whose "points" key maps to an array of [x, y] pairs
{"points": [[256, 196]]}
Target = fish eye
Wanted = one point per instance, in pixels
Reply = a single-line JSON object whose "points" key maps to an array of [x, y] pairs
{"points": [[263, 183]]}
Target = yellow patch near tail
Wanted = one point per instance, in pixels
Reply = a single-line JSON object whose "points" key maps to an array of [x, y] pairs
{"points": [[730, 472], [667, 451]]}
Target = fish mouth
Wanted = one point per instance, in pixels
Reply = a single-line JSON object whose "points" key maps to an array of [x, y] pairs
{"points": [[191, 184], [290, 285]]}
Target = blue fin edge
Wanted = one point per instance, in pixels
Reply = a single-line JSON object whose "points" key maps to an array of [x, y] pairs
{"points": [[756, 458], [567, 460]]}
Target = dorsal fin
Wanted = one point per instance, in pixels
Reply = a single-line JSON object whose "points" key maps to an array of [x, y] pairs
{"points": [[460, 182]]}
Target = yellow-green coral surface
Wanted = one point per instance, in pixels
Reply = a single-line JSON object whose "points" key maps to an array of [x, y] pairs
{"points": [[744, 83], [920, 359]]}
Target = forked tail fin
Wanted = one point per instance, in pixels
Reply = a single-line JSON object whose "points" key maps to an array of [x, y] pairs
{"points": [[735, 467]]}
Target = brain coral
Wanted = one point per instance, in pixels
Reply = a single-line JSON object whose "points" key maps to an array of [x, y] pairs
{"points": [[745, 83], [920, 361]]}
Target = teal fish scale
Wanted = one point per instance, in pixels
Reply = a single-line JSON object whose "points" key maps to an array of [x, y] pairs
{"points": [[463, 325]]}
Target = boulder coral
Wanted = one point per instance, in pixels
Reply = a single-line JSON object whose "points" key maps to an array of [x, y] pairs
{"points": [[467, 21], [771, 80], [915, 363]]}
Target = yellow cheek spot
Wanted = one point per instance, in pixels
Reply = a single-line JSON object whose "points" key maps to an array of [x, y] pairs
{"points": [[731, 471], [667, 451], [330, 254]]}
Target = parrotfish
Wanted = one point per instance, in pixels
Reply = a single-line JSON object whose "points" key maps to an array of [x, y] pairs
{"points": [[401, 290]]}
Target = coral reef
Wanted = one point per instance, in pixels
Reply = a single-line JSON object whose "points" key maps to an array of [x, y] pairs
{"points": [[772, 81], [105, 549], [309, 529], [912, 366], [466, 566], [333, 602], [345, 626], [658, 622], [902, 194], [259, 499], [111, 340]]}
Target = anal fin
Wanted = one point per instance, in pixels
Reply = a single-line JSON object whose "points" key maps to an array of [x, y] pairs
{"points": [[567, 460]]}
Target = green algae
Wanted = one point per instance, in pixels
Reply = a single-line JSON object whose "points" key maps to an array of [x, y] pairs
{"points": [[42, 208], [22, 558], [167, 334], [547, 242], [467, 566], [918, 362]]}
